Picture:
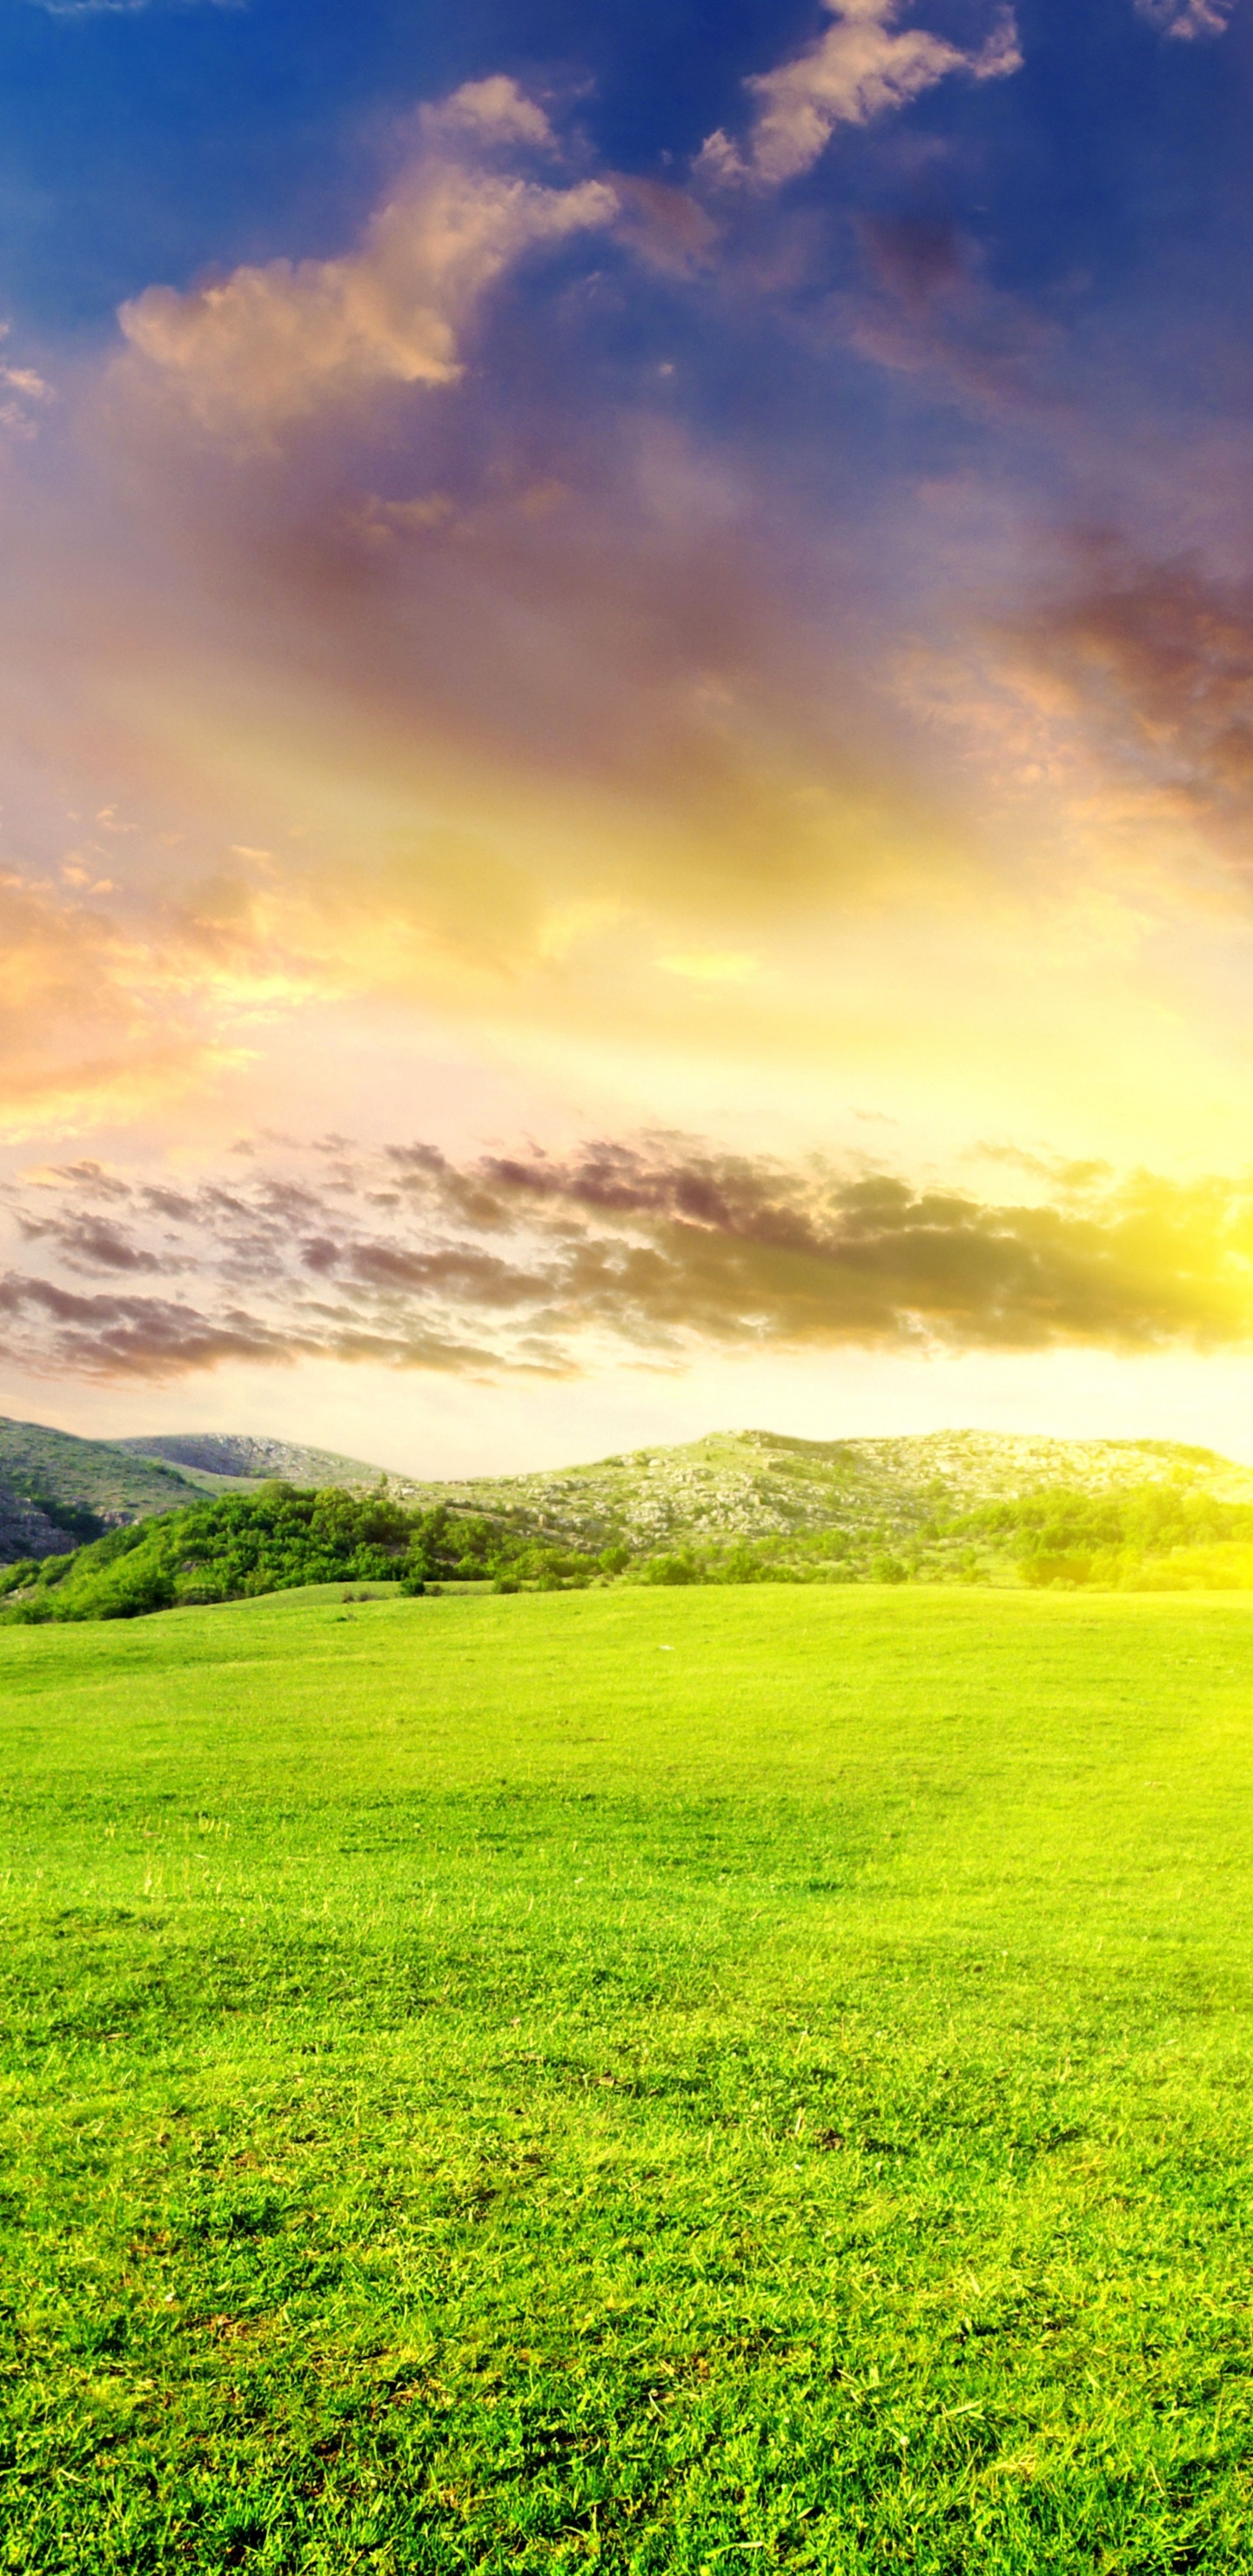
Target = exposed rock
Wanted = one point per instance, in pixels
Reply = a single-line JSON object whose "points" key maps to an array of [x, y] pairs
{"points": [[26, 1531]]}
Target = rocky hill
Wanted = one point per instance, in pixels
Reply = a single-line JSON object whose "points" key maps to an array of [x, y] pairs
{"points": [[236, 1458], [761, 1484]]}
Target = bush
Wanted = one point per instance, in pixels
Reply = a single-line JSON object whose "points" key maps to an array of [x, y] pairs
{"points": [[681, 1567]]}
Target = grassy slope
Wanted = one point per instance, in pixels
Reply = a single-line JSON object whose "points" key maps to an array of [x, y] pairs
{"points": [[56, 1467], [630, 2080]]}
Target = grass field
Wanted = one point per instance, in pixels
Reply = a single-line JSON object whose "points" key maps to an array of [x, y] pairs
{"points": [[657, 2081]]}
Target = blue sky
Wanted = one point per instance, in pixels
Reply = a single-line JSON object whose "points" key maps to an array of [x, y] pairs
{"points": [[166, 138]]}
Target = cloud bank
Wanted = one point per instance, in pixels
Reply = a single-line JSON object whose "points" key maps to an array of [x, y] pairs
{"points": [[653, 1249]]}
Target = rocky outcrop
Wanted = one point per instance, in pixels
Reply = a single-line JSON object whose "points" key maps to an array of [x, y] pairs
{"points": [[26, 1531]]}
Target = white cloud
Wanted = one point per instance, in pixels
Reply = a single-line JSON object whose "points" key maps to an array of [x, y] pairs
{"points": [[490, 111], [860, 69], [1188, 18], [272, 345], [123, 8]]}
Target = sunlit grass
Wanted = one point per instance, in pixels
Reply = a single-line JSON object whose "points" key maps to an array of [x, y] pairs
{"points": [[651, 2081]]}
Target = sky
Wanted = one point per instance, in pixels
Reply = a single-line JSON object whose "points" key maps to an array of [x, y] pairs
{"points": [[626, 720]]}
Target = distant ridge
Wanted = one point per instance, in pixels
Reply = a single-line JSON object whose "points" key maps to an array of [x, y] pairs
{"points": [[740, 1484], [243, 1459], [763, 1484], [56, 1490]]}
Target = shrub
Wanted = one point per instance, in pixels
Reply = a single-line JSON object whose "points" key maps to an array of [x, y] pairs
{"points": [[681, 1567]]}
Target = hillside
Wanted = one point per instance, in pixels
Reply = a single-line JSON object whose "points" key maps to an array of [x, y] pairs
{"points": [[56, 1490], [761, 1485], [861, 1501], [737, 1484], [737, 1508], [236, 1458]]}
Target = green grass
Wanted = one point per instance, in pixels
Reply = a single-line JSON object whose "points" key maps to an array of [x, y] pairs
{"points": [[656, 2081]]}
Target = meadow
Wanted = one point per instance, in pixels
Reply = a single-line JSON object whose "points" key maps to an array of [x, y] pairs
{"points": [[648, 2080]]}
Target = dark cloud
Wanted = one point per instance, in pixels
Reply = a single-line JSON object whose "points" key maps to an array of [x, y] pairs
{"points": [[148, 1337], [155, 1338], [914, 257], [932, 311], [1159, 656], [657, 1245], [91, 1244], [750, 1247]]}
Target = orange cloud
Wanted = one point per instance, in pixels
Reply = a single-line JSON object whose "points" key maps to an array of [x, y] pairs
{"points": [[1156, 664], [554, 1264], [270, 346]]}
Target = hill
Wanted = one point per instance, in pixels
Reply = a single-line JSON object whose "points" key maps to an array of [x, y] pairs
{"points": [[738, 1484], [935, 1505], [236, 1458], [56, 1490], [1130, 1517], [280, 1537], [763, 1485]]}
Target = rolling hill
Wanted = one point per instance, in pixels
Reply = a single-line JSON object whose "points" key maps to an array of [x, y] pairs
{"points": [[936, 1505], [762, 1484], [235, 1458], [736, 1484]]}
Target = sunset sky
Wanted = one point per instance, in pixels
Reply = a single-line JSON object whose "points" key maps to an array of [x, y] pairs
{"points": [[626, 671]]}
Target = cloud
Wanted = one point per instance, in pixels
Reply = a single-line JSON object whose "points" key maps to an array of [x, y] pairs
{"points": [[932, 312], [22, 392], [272, 345], [863, 67], [472, 689], [116, 999], [1156, 660], [125, 8], [658, 1247], [491, 111], [1188, 18], [536, 700]]}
